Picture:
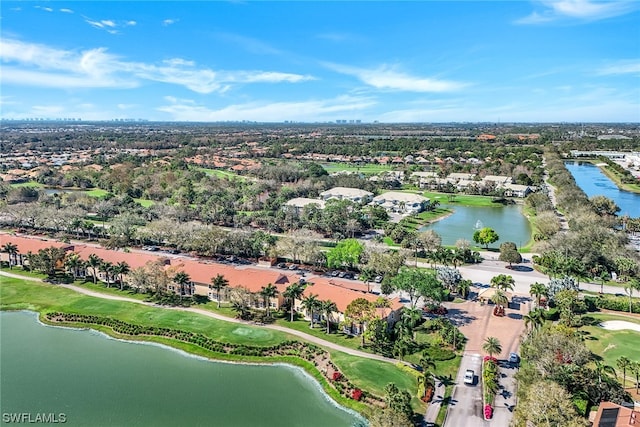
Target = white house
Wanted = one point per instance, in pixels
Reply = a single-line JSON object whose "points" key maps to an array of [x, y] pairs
{"points": [[299, 203], [395, 201], [355, 195], [516, 190]]}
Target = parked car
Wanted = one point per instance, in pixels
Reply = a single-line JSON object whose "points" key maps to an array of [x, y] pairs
{"points": [[341, 274], [335, 273], [378, 279], [514, 359], [293, 266], [469, 377], [282, 265]]}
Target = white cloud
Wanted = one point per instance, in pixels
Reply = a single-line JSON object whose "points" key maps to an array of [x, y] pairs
{"points": [[109, 25], [39, 65], [623, 67], [582, 10], [387, 78], [314, 110], [46, 9], [66, 10], [130, 23], [167, 22]]}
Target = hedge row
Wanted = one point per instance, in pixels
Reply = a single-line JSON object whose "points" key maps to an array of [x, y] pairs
{"points": [[294, 348], [611, 303]]}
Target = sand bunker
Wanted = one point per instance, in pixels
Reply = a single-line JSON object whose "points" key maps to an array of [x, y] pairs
{"points": [[617, 325]]}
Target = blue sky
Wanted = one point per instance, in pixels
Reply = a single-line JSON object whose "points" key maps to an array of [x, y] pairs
{"points": [[429, 61]]}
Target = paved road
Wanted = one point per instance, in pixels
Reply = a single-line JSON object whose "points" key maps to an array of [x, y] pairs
{"points": [[506, 398], [434, 407], [465, 409], [217, 316]]}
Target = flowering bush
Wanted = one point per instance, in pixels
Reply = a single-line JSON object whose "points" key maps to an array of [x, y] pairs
{"points": [[336, 376], [488, 358], [356, 394], [488, 411]]}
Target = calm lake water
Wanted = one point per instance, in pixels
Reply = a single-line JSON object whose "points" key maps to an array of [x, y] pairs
{"points": [[96, 381], [508, 222], [593, 182]]}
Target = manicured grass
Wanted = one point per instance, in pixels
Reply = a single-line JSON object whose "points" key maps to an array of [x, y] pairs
{"points": [[461, 199], [222, 174], [443, 407], [611, 345], [369, 169], [96, 192], [374, 376], [371, 375], [28, 184], [21, 272], [319, 330], [20, 294], [145, 203]]}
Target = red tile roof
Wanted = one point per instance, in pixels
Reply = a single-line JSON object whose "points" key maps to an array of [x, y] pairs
{"points": [[31, 244], [134, 259]]}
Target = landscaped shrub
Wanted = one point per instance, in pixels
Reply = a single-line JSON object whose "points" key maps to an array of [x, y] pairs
{"points": [[551, 314], [356, 394], [336, 376], [613, 303], [488, 412], [440, 353]]}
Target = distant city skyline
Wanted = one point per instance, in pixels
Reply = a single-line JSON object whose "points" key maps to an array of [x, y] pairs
{"points": [[387, 62]]}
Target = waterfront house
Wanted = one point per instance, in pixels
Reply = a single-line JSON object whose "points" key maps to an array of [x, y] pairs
{"points": [[355, 195]]}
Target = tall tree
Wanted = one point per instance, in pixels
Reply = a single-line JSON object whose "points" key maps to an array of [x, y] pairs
{"points": [[492, 346], [328, 307], [623, 363], [293, 292], [182, 279], [538, 290], [267, 293], [120, 269], [485, 236], [359, 311], [218, 283], [509, 253], [12, 251], [94, 262], [311, 303], [503, 282]]}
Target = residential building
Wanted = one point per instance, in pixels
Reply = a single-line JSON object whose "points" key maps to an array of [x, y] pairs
{"points": [[398, 202], [355, 195], [517, 190], [457, 176], [299, 203], [498, 180], [613, 415]]}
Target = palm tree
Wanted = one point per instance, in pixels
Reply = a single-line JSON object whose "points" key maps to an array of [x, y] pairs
{"points": [[410, 318], [500, 298], [12, 250], [366, 275], [218, 283], [623, 363], [463, 288], [328, 307], [635, 369], [106, 267], [120, 269], [492, 346], [535, 319], [310, 303], [603, 370], [181, 279], [292, 293], [538, 290], [94, 262], [267, 293], [73, 262], [426, 361], [503, 282]]}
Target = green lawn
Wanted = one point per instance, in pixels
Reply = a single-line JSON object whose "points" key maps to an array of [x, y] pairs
{"points": [[611, 345], [96, 192], [374, 375], [18, 294], [461, 199], [28, 184], [369, 169], [222, 174], [145, 203]]}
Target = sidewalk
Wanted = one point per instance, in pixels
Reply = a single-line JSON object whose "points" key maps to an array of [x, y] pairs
{"points": [[433, 409]]}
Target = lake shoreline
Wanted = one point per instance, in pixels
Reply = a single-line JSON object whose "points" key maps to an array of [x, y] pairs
{"points": [[182, 348]]}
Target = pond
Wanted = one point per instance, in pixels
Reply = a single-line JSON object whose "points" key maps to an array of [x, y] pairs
{"points": [[508, 221], [97, 381], [594, 182]]}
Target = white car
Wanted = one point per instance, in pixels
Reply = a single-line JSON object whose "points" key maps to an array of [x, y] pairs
{"points": [[469, 376]]}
